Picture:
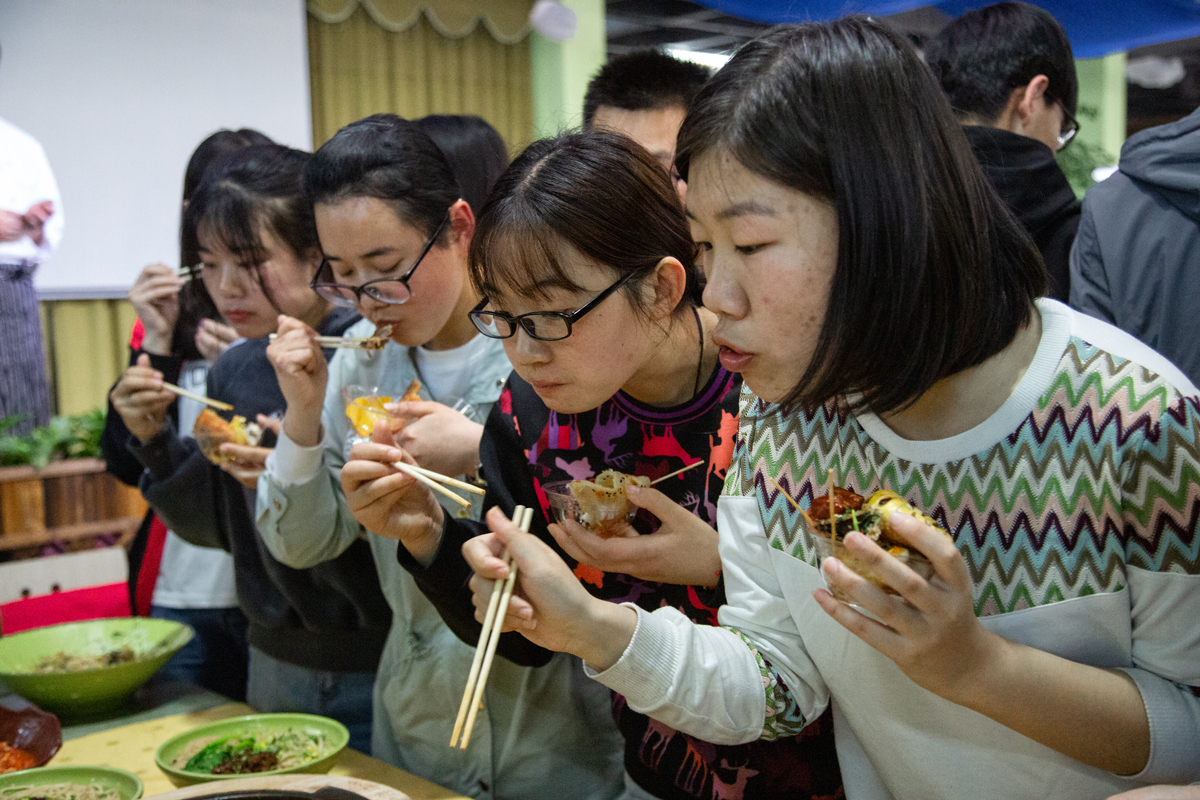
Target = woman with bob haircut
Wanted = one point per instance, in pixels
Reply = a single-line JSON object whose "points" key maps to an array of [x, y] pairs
{"points": [[587, 273], [395, 231], [881, 305]]}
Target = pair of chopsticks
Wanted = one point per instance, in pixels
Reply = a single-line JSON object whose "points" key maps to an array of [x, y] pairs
{"points": [[346, 342], [434, 481], [489, 638], [208, 401]]}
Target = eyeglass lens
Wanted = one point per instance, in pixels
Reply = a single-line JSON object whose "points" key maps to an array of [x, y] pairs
{"points": [[547, 327]]}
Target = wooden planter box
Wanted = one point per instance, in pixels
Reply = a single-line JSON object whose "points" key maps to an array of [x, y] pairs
{"points": [[66, 501]]}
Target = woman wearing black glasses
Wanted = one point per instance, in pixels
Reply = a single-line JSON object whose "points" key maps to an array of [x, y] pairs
{"points": [[585, 265], [395, 237]]}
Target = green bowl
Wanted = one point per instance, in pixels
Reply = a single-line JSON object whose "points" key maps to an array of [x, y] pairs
{"points": [[127, 785], [336, 738], [91, 690]]}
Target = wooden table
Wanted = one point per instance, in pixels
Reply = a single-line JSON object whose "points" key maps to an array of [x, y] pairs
{"points": [[132, 747]]}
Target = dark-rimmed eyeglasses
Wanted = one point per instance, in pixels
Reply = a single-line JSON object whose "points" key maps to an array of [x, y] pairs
{"points": [[546, 326], [386, 290], [1070, 127]]}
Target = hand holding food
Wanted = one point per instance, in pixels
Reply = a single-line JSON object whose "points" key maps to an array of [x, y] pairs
{"points": [[366, 409], [302, 372], [155, 298], [832, 520], [927, 626], [391, 503], [682, 551], [212, 431], [602, 504], [246, 462], [141, 400], [438, 437]]}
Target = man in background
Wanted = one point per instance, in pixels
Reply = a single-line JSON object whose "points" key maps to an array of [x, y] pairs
{"points": [[644, 95], [31, 224], [1010, 76], [1136, 261]]}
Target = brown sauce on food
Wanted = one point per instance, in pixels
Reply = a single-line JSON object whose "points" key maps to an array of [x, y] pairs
{"points": [[247, 761], [843, 501]]}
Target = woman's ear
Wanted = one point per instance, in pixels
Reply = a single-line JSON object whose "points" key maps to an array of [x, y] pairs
{"points": [[670, 282], [462, 224]]}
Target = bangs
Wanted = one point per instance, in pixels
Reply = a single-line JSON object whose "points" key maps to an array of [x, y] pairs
{"points": [[233, 218], [521, 257]]}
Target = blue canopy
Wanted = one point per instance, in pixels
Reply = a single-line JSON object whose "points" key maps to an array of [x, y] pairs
{"points": [[1095, 27]]}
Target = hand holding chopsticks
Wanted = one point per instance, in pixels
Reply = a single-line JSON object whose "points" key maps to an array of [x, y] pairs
{"points": [[489, 639], [434, 481], [208, 401]]}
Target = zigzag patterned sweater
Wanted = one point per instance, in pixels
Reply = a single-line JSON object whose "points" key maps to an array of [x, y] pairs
{"points": [[1076, 507]]}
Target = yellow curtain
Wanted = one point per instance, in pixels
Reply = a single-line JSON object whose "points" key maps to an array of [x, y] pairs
{"points": [[87, 342], [370, 56]]}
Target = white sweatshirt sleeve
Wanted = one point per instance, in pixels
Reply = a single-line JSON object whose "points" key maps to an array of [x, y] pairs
{"points": [[748, 680]]}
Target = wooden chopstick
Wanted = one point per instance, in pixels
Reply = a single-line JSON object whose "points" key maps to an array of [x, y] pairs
{"points": [[693, 465], [446, 479], [208, 401], [343, 343], [489, 639], [411, 471]]}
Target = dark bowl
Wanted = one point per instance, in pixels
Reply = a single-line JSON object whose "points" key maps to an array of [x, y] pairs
{"points": [[32, 730]]}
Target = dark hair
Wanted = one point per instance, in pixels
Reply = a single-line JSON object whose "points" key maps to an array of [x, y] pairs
{"points": [[983, 55], [646, 79], [194, 302], [474, 149], [388, 158], [598, 192], [249, 190], [933, 273]]}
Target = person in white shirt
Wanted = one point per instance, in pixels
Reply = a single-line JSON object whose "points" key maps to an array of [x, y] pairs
{"points": [[31, 226]]}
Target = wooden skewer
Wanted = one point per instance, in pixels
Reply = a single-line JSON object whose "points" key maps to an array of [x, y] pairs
{"points": [[832, 516], [784, 492], [409, 470], [489, 639], [446, 479], [208, 401], [676, 472]]}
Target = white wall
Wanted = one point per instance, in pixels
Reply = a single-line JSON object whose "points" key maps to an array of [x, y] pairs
{"points": [[119, 93]]}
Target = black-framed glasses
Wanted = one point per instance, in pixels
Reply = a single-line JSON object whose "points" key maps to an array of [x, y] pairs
{"points": [[1070, 127], [546, 326], [386, 290]]}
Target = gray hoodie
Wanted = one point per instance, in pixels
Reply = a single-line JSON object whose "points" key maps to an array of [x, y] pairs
{"points": [[1136, 260]]}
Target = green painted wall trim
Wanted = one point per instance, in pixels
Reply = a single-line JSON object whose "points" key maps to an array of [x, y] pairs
{"points": [[1102, 118], [561, 70]]}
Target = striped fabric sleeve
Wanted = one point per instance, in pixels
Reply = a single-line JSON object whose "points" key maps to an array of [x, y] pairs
{"points": [[1161, 514], [783, 715]]}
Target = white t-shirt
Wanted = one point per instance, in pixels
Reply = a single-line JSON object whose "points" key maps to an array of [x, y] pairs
{"points": [[191, 576], [447, 373], [25, 179]]}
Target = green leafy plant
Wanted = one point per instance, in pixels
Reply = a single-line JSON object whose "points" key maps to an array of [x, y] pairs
{"points": [[1081, 159], [76, 436]]}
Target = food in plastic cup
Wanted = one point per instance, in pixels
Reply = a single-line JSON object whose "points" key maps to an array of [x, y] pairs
{"points": [[365, 409], [602, 509], [826, 547]]}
